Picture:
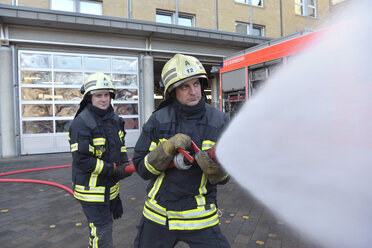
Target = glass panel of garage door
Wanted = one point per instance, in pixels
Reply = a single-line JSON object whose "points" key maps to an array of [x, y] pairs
{"points": [[62, 126], [67, 62], [126, 94], [37, 127], [37, 110], [97, 63], [68, 78], [66, 109], [67, 94], [124, 80], [126, 109], [35, 60], [130, 123], [33, 94], [36, 77], [124, 65]]}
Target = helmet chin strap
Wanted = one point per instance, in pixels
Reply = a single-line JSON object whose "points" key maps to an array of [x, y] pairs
{"points": [[82, 90]]}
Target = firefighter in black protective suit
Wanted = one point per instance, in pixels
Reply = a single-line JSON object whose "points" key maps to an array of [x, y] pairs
{"points": [[181, 203], [96, 136]]}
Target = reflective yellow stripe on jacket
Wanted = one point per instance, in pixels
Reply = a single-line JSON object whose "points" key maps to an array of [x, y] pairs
{"points": [[121, 135], [99, 141], [200, 199], [151, 168], [152, 146], [74, 147], [194, 219], [114, 191], [95, 173], [90, 194], [207, 144], [123, 149], [155, 212], [201, 217], [148, 166]]}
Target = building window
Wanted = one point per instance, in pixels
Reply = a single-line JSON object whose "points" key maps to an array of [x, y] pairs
{"points": [[169, 18], [80, 6], [258, 3], [334, 2], [164, 17], [243, 28], [186, 20], [305, 8]]}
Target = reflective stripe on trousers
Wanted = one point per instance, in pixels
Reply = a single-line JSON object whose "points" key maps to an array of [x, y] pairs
{"points": [[100, 236]]}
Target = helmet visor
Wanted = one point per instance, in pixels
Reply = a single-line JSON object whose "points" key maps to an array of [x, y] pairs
{"points": [[92, 92]]}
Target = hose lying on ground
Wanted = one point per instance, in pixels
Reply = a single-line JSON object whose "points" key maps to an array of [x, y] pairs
{"points": [[40, 182], [37, 181], [34, 169], [130, 169]]}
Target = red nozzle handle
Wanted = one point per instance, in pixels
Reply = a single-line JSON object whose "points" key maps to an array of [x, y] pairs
{"points": [[187, 155], [190, 158], [194, 146], [130, 168], [212, 154]]}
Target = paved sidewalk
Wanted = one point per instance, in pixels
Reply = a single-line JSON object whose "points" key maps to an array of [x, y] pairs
{"points": [[38, 216]]}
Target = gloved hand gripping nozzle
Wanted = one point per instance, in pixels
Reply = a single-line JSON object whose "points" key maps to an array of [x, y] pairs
{"points": [[161, 157], [207, 161]]}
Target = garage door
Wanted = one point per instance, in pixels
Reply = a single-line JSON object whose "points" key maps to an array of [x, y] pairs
{"points": [[49, 95]]}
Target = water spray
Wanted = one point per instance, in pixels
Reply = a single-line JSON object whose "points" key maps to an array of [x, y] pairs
{"points": [[302, 145]]}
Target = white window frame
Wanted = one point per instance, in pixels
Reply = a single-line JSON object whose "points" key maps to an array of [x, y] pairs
{"points": [[254, 26], [304, 10], [260, 4], [173, 17], [76, 6]]}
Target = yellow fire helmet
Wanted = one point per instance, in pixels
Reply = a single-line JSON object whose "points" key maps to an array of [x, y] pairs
{"points": [[179, 69], [95, 82]]}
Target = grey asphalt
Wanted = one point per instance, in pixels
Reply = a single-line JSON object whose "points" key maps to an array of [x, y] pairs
{"points": [[38, 215]]}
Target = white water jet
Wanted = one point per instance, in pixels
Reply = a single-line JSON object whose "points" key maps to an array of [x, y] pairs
{"points": [[303, 144]]}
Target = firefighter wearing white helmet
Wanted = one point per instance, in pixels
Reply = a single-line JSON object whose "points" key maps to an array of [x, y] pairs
{"points": [[181, 204], [96, 137], [94, 83], [97, 81]]}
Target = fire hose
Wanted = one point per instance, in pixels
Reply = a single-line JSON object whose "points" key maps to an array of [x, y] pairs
{"points": [[37, 181], [182, 160]]}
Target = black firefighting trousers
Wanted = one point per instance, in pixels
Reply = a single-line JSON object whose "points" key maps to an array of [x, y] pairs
{"points": [[100, 225]]}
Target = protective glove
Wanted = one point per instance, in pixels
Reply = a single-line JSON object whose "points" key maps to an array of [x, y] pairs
{"points": [[119, 171], [178, 141], [211, 169], [116, 208], [162, 155]]}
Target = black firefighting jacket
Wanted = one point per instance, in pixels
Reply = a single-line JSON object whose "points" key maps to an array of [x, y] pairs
{"points": [[97, 140], [180, 199]]}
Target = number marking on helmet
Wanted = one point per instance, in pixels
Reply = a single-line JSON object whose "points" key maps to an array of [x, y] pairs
{"points": [[190, 70]]}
